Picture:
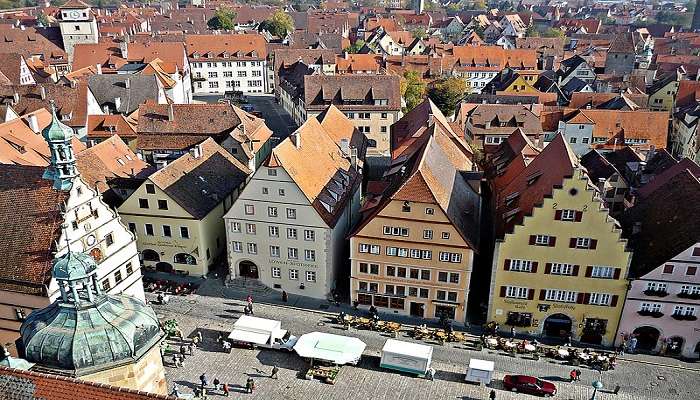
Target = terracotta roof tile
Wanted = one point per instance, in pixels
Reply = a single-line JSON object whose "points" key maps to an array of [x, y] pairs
{"points": [[240, 46], [343, 90], [107, 160]]}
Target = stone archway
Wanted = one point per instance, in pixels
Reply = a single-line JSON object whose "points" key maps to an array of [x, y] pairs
{"points": [[150, 255], [248, 269], [164, 267], [557, 325], [675, 346], [647, 337]]}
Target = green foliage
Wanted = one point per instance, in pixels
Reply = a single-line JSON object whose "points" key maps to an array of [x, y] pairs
{"points": [[553, 33], [223, 19], [170, 327], [355, 47], [532, 32], [479, 30], [42, 19], [418, 33], [446, 94], [279, 24], [477, 5], [674, 18], [412, 89]]}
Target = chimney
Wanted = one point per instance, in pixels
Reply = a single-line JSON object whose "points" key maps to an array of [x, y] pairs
{"points": [[33, 123], [99, 69], [15, 98], [127, 83], [296, 139], [117, 104], [42, 92], [171, 113], [345, 147], [124, 48], [196, 151], [431, 119], [353, 158]]}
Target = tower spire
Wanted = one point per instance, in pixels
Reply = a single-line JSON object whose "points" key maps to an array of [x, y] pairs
{"points": [[62, 169]]}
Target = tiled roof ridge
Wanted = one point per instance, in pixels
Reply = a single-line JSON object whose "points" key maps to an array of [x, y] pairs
{"points": [[84, 382]]}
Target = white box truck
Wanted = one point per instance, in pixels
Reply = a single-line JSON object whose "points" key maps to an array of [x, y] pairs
{"points": [[268, 333], [406, 357]]}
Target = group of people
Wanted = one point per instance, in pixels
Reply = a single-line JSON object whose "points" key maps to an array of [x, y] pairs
{"points": [[178, 358]]}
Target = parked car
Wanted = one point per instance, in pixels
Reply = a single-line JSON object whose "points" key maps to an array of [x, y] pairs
{"points": [[529, 384], [247, 107]]}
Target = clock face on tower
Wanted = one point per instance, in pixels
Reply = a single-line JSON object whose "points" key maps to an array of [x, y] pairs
{"points": [[74, 14]]}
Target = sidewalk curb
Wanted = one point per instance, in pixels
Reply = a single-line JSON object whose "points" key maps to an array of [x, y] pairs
{"points": [[662, 365]]}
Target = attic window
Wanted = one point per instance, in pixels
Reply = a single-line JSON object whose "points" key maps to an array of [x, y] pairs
{"points": [[120, 161], [533, 178], [512, 199]]}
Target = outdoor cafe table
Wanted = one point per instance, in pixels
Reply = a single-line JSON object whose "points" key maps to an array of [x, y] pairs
{"points": [[529, 347]]}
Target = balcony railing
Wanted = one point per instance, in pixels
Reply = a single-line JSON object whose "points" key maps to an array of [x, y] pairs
{"points": [[684, 317], [656, 293]]}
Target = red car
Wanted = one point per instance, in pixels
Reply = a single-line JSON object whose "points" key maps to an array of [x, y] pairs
{"points": [[529, 384]]}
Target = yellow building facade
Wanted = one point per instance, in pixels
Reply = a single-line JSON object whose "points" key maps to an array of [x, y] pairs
{"points": [[563, 270], [520, 85]]}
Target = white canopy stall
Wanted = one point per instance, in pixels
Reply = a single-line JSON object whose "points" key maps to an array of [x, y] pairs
{"points": [[406, 357], [335, 349]]}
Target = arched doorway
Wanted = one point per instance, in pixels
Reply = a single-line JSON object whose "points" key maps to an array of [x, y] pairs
{"points": [[647, 337], [697, 348], [557, 325], [150, 255], [248, 269], [164, 267], [184, 258], [675, 346]]}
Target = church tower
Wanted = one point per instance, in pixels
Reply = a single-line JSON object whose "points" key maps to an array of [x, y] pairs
{"points": [[62, 169], [77, 24]]}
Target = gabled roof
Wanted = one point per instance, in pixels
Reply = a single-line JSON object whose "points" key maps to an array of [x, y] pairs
{"points": [[245, 46], [131, 90], [598, 166], [198, 184], [30, 215]]}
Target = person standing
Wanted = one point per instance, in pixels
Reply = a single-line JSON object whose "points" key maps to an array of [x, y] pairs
{"points": [[203, 380], [431, 374], [199, 336], [512, 332], [275, 370], [492, 395], [285, 297], [249, 385], [224, 388], [633, 345], [182, 352], [175, 360], [175, 392], [216, 383]]}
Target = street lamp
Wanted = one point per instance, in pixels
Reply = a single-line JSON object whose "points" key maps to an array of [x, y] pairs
{"points": [[596, 386]]}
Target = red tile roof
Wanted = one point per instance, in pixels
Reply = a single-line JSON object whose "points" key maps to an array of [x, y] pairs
{"points": [[29, 385], [242, 46]]}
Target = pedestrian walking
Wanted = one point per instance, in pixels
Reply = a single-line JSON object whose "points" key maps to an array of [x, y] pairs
{"points": [[431, 374], [284, 296], [182, 352], [249, 385], [492, 395], [190, 348], [250, 308], [199, 336], [512, 332], [175, 360], [568, 339], [632, 345], [180, 362], [572, 375], [224, 388], [175, 392], [249, 299], [227, 346], [196, 341], [578, 374], [203, 380], [275, 370], [216, 383], [220, 338]]}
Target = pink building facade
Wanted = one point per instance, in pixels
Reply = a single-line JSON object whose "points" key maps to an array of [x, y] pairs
{"points": [[663, 306]]}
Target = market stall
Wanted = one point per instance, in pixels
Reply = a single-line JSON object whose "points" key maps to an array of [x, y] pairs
{"points": [[334, 349], [406, 357]]}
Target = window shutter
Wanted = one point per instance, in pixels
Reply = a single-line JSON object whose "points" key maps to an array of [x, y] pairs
{"points": [[534, 267], [574, 270], [580, 298], [617, 272], [548, 268], [506, 265], [532, 239], [552, 241], [530, 294], [557, 215], [503, 291], [594, 244], [589, 271], [587, 298], [579, 216], [572, 243], [543, 293], [613, 301]]}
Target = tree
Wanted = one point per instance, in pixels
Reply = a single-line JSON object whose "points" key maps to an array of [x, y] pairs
{"points": [[279, 24], [355, 47], [479, 30], [412, 89], [553, 33], [446, 93], [223, 19], [418, 33], [673, 18], [531, 32], [42, 19]]}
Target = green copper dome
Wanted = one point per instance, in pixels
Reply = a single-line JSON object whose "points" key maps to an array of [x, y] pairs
{"points": [[72, 266], [85, 330], [57, 131]]}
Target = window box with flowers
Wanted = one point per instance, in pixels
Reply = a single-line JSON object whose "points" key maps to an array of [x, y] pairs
{"points": [[656, 292], [648, 313], [684, 317]]}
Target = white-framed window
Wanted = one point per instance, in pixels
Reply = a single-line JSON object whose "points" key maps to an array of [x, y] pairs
{"points": [[426, 254], [250, 229], [602, 272], [276, 272], [271, 172], [456, 257], [516, 292], [445, 235], [657, 287], [274, 251], [583, 243], [293, 253], [542, 240], [428, 234], [292, 233], [650, 307], [520, 265], [561, 269], [391, 251], [364, 248], [236, 226], [249, 209], [454, 277], [281, 192], [291, 213], [293, 274], [396, 231], [600, 299], [415, 253], [429, 211], [252, 248], [402, 252], [568, 215], [375, 249], [684, 310], [272, 211], [311, 276], [309, 235], [237, 247], [690, 289], [273, 231], [564, 296], [444, 256], [309, 255]]}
